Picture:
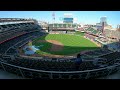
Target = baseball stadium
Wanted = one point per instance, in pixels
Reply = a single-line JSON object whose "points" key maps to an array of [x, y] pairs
{"points": [[31, 50]]}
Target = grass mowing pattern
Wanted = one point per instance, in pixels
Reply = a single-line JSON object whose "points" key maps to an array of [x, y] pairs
{"points": [[72, 44]]}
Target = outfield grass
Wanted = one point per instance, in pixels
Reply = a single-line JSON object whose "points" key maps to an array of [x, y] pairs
{"points": [[72, 44]]}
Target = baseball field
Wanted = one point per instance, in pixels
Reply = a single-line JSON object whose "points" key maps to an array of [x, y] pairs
{"points": [[63, 44]]}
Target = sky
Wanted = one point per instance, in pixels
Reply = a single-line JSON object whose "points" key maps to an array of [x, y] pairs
{"points": [[84, 17]]}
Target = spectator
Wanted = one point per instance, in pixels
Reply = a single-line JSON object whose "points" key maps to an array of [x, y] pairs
{"points": [[78, 61]]}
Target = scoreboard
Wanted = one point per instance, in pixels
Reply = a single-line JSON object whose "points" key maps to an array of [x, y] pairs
{"points": [[67, 20]]}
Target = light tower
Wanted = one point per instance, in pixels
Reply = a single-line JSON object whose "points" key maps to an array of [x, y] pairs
{"points": [[117, 26], [53, 17]]}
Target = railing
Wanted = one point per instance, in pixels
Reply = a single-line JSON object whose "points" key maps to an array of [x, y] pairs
{"points": [[33, 73]]}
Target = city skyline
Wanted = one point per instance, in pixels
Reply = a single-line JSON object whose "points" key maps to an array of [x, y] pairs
{"points": [[84, 17]]}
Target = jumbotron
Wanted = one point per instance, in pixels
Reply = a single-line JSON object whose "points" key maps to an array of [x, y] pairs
{"points": [[48, 51]]}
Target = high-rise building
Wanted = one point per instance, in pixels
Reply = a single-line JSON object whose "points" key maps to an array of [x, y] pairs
{"points": [[118, 27], [103, 20], [102, 24]]}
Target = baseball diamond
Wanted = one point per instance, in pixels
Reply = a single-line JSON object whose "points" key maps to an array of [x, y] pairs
{"points": [[70, 49], [63, 44]]}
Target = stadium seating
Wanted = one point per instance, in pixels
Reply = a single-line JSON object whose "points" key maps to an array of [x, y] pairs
{"points": [[92, 30], [95, 63]]}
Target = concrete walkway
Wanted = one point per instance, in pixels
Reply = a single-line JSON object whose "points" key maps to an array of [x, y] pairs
{"points": [[113, 76], [7, 75]]}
